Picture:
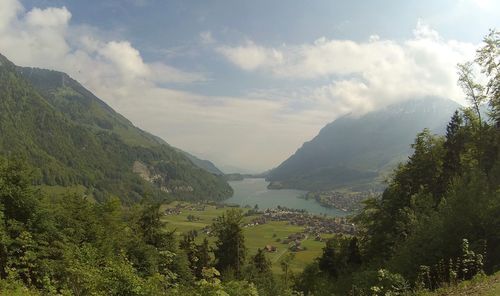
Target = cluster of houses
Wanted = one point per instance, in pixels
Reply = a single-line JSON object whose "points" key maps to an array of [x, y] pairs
{"points": [[314, 225], [293, 242], [180, 207], [345, 202]]}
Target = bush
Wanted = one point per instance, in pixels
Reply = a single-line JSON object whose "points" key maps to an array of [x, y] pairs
{"points": [[381, 282]]}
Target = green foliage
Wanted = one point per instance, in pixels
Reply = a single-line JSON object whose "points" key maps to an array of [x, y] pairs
{"points": [[328, 262], [67, 245], [285, 267], [438, 220], [312, 280], [211, 285], [488, 58], [261, 263], [73, 138], [258, 271], [466, 266], [380, 282], [230, 251]]}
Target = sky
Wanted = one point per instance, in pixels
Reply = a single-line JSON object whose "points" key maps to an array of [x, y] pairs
{"points": [[245, 83]]}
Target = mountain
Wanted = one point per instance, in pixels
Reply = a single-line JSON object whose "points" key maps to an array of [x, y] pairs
{"points": [[207, 165], [74, 138], [71, 98], [358, 152]]}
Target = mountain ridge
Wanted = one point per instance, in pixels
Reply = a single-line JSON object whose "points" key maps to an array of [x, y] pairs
{"points": [[355, 151], [72, 137], [38, 77]]}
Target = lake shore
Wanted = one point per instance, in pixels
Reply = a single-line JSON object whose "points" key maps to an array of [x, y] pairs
{"points": [[254, 191]]}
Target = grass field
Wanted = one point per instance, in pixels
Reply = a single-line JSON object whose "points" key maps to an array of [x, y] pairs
{"points": [[255, 237]]}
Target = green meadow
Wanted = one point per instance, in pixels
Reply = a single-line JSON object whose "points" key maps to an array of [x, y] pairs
{"points": [[255, 236]]}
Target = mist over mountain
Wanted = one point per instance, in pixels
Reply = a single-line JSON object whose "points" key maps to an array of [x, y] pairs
{"points": [[358, 152], [74, 138]]}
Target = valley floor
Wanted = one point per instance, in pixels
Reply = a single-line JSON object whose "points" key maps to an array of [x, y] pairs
{"points": [[256, 236]]}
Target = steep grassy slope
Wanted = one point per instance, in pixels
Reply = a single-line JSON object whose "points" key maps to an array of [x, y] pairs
{"points": [[357, 151], [72, 137], [479, 286]]}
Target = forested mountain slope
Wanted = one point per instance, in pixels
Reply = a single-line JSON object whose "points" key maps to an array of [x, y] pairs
{"points": [[360, 151], [72, 137]]}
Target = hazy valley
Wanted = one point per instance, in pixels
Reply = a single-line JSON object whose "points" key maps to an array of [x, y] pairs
{"points": [[377, 156]]}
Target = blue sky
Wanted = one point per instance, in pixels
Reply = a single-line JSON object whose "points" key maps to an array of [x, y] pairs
{"points": [[245, 83]]}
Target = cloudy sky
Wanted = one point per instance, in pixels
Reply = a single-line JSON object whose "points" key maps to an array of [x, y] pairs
{"points": [[245, 83]]}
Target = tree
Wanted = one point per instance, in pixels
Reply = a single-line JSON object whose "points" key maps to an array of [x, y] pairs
{"points": [[189, 247], [261, 263], [202, 253], [488, 57], [353, 254], [230, 251], [327, 262], [17, 197], [474, 92], [454, 146], [151, 224], [285, 266]]}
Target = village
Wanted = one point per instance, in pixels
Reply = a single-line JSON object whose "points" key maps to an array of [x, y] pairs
{"points": [[346, 202], [314, 226]]}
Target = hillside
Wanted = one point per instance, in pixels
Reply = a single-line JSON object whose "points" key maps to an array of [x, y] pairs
{"points": [[358, 152], [479, 286], [72, 137], [207, 165]]}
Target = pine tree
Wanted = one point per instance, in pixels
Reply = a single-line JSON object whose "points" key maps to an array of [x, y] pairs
{"points": [[189, 247], [354, 256], [202, 253], [454, 145], [261, 263], [327, 262], [151, 225], [230, 251]]}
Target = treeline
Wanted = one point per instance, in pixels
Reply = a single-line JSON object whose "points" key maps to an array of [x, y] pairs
{"points": [[68, 245], [438, 222]]}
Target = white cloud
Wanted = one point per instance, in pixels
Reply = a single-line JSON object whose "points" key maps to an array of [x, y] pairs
{"points": [[125, 58], [45, 38], [116, 72], [251, 57], [50, 17], [257, 130], [8, 11], [364, 75]]}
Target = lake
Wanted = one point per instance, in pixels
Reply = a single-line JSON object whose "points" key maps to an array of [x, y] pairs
{"points": [[254, 192]]}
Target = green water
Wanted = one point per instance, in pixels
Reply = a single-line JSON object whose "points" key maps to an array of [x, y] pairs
{"points": [[254, 192]]}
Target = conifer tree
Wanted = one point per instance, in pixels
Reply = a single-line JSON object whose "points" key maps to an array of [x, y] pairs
{"points": [[327, 262], [354, 256], [230, 251], [202, 253], [261, 263]]}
